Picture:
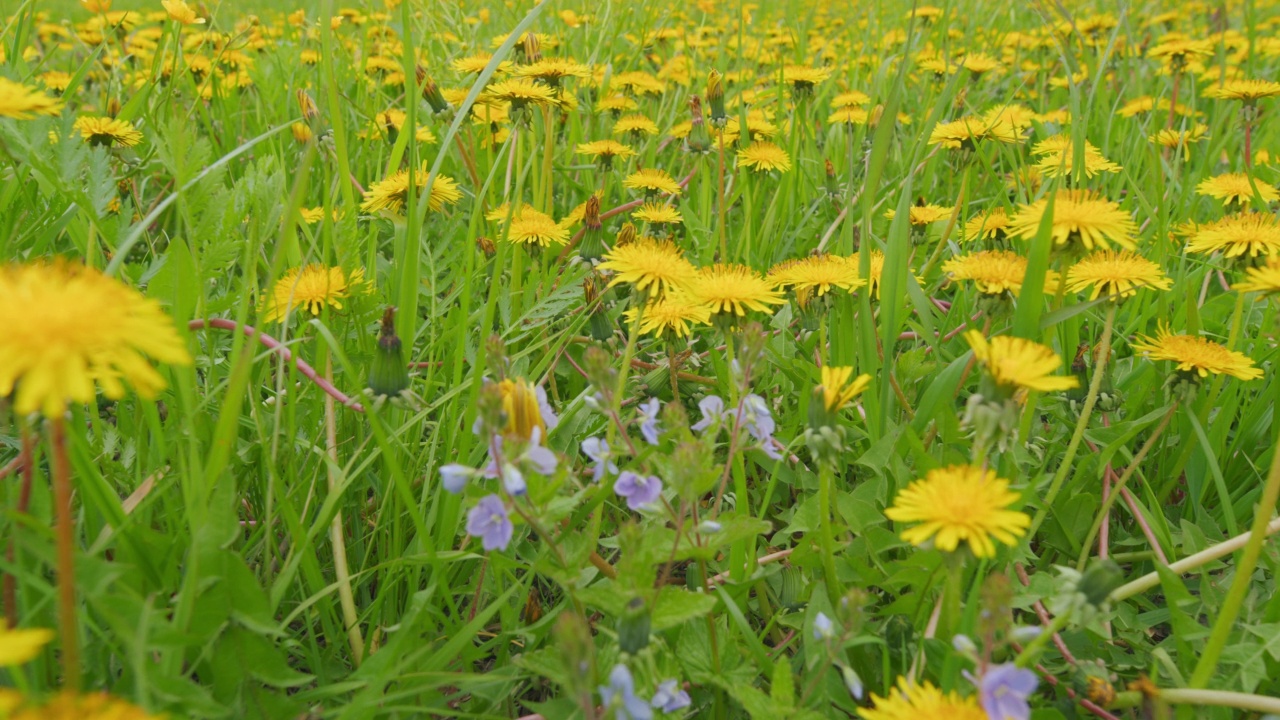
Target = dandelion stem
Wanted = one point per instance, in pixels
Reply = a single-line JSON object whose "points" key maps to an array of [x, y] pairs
{"points": [[1120, 484], [342, 573], [826, 535], [1240, 584], [1082, 423], [65, 535]]}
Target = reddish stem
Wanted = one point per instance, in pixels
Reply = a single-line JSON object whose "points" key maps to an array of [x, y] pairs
{"points": [[23, 463], [66, 555]]}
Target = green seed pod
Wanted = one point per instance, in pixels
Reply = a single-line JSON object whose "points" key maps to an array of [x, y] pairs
{"points": [[388, 374]]}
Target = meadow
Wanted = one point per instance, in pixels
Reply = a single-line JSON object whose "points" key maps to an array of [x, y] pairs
{"points": [[630, 360]]}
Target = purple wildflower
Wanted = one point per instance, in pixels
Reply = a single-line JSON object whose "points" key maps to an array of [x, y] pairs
{"points": [[598, 450], [639, 490], [620, 695], [489, 521], [712, 408], [454, 476], [649, 420], [1004, 690], [670, 697]]}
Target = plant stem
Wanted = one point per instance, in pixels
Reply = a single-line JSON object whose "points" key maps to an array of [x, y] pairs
{"points": [[1027, 658], [1191, 562], [1230, 609], [1221, 698], [826, 536], [65, 535], [1120, 484], [1082, 423], [341, 572]]}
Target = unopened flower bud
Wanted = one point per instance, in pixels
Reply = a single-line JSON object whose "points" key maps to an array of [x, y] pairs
{"points": [[591, 246], [431, 92], [388, 374], [699, 140], [715, 98], [634, 627], [486, 246], [1100, 580]]}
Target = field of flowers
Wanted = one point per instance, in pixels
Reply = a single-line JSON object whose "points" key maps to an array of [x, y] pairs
{"points": [[639, 359]]}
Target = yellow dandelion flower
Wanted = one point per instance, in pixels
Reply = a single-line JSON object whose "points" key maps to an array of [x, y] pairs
{"points": [[850, 98], [1236, 188], [521, 92], [923, 214], [764, 156], [23, 103], [804, 77], [910, 701], [1057, 157], [67, 327], [1252, 234], [604, 151], [673, 314], [1250, 91], [848, 115], [107, 131], [840, 387], [734, 290], [616, 104], [960, 503], [979, 63], [652, 180], [1017, 364], [312, 288], [656, 213], [635, 124], [1017, 116], [18, 646], [1265, 279], [817, 274], [531, 227], [967, 132], [1198, 355], [991, 225], [1181, 139], [1146, 104], [388, 123], [89, 706], [181, 13], [877, 269], [1117, 274], [995, 272], [1181, 50], [1079, 216], [553, 70], [653, 266], [475, 64], [391, 193]]}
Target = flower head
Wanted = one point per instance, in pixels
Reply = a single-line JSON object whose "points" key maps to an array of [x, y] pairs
{"points": [[1079, 216], [1198, 355], [994, 271], [1058, 156], [604, 151], [520, 92], [21, 102], [652, 181], [526, 409], [1236, 188], [654, 266], [1250, 91], [657, 213], [392, 193], [18, 646], [1118, 274], [840, 387], [1018, 364], [673, 313], [1181, 139], [531, 227], [817, 274], [107, 131], [764, 156], [990, 225], [182, 13], [909, 701], [734, 290], [967, 132], [1252, 234], [636, 125], [489, 521], [311, 287], [1004, 689], [620, 696], [876, 269], [639, 491], [67, 327], [598, 450], [1265, 279], [670, 697], [960, 503]]}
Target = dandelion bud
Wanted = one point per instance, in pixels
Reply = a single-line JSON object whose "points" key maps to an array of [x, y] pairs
{"points": [[625, 236], [699, 139], [832, 182], [532, 51], [634, 627], [387, 374], [794, 592], [301, 132], [113, 107], [306, 105], [715, 98], [598, 323], [591, 247], [572, 637], [598, 365], [431, 92], [486, 246]]}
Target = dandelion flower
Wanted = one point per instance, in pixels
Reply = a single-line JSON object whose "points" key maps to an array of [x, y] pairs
{"points": [[531, 227], [673, 314], [107, 131], [652, 181], [182, 13], [23, 103], [658, 214], [764, 156], [1254, 234], [850, 98], [1265, 279], [391, 193], [840, 387], [553, 70], [1181, 139], [1079, 216], [67, 327], [994, 272], [1197, 355], [311, 287], [604, 151], [960, 503], [526, 409], [991, 225], [876, 269], [635, 125], [804, 77], [923, 214], [1250, 91], [734, 290], [1057, 157], [22, 646], [967, 132], [653, 266], [848, 116], [1236, 188], [910, 701], [521, 92], [1018, 364], [817, 274], [1117, 274]]}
